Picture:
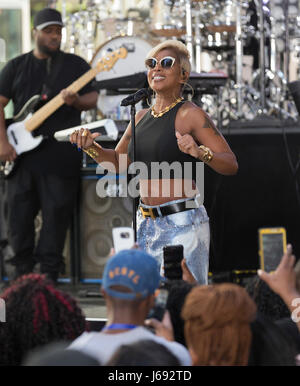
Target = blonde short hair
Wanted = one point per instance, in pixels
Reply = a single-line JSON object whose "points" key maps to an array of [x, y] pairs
{"points": [[180, 49]]}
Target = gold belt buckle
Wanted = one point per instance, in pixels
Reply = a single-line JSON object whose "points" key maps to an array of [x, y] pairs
{"points": [[147, 212]]}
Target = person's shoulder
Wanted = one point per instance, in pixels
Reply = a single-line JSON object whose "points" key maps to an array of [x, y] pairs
{"points": [[83, 339], [73, 58], [18, 59], [188, 106], [14, 65], [140, 114], [177, 349], [192, 111]]}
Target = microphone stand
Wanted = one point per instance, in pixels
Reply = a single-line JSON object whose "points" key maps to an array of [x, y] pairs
{"points": [[134, 202], [132, 100]]}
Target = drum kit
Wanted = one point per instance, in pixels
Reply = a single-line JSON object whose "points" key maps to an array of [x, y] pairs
{"points": [[217, 34]]}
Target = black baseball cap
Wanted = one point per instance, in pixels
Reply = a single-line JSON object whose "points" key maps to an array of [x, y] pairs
{"points": [[47, 16]]}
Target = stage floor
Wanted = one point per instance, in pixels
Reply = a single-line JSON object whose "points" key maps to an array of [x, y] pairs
{"points": [[88, 297]]}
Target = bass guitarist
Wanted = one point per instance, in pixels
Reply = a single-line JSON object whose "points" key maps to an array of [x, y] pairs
{"points": [[47, 178]]}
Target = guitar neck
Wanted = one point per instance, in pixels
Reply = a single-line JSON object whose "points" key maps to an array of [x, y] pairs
{"points": [[49, 108]]}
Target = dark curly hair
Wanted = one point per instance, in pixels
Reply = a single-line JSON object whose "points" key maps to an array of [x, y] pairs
{"points": [[143, 353], [36, 314], [268, 302]]}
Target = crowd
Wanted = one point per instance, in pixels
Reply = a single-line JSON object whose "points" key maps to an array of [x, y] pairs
{"points": [[202, 325]]}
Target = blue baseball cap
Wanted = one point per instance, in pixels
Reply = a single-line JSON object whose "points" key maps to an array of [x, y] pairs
{"points": [[134, 269]]}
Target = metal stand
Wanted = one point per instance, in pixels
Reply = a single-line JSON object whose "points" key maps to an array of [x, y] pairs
{"points": [[134, 199], [286, 56], [198, 48], [239, 59], [262, 56], [189, 31]]}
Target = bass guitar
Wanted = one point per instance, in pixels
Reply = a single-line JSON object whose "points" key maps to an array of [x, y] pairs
{"points": [[19, 132]]}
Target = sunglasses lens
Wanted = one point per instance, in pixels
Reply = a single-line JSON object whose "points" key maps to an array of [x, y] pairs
{"points": [[151, 63], [167, 62]]}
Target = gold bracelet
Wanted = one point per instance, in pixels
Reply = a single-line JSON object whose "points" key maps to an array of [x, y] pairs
{"points": [[208, 154], [92, 152]]}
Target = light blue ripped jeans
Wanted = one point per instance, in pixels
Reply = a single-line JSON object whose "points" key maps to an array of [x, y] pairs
{"points": [[189, 228]]}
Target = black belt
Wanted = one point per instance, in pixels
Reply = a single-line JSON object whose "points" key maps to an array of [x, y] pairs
{"points": [[167, 209]]}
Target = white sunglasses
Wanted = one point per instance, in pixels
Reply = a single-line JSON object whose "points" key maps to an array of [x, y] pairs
{"points": [[166, 62]]}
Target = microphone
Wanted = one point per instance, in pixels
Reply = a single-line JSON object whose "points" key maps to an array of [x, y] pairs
{"points": [[136, 97]]}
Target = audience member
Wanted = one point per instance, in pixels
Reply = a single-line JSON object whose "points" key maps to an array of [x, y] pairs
{"points": [[143, 353], [283, 282], [129, 281], [297, 271], [186, 273], [55, 354], [36, 314], [267, 301], [289, 327], [269, 345], [178, 290], [217, 324]]}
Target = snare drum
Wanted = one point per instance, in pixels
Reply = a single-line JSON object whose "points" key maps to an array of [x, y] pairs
{"points": [[138, 48]]}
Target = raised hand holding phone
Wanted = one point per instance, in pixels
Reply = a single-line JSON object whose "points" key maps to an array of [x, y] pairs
{"points": [[123, 238]]}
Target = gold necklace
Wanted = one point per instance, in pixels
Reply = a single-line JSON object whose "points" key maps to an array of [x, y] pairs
{"points": [[166, 109]]}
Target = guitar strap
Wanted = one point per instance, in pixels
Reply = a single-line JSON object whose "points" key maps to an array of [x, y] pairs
{"points": [[54, 65]]}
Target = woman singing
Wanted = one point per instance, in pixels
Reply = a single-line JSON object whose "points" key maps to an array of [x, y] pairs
{"points": [[175, 136]]}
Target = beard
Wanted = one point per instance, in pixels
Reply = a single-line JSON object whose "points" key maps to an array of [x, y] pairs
{"points": [[46, 50]]}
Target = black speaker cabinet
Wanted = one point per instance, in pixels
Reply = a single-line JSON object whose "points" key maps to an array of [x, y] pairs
{"points": [[97, 217]]}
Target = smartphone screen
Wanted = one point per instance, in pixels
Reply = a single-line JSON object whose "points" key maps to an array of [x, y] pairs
{"points": [[158, 311], [272, 247], [173, 254]]}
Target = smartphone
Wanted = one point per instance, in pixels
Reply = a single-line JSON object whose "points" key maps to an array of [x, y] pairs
{"points": [[123, 238], [158, 311], [173, 255], [272, 246]]}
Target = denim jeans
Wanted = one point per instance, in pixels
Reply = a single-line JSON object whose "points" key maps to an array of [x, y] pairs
{"points": [[189, 228]]}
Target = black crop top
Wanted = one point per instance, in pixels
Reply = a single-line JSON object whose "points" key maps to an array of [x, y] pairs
{"points": [[156, 142]]}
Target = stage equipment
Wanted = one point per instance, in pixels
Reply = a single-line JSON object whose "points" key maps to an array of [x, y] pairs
{"points": [[106, 127], [96, 218], [216, 34], [294, 88], [109, 101]]}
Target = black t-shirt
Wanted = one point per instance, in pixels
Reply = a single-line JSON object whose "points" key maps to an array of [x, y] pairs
{"points": [[26, 76]]}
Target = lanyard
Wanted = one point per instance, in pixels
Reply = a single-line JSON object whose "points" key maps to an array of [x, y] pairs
{"points": [[119, 326]]}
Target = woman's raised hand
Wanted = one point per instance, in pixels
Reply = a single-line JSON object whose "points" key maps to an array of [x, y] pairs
{"points": [[187, 144], [83, 138]]}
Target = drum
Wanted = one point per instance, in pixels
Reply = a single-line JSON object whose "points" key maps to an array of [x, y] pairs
{"points": [[134, 63]]}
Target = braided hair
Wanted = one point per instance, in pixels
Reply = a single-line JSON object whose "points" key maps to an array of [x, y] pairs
{"points": [[36, 314]]}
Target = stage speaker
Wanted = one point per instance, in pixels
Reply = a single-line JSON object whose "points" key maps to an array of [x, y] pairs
{"points": [[98, 216]]}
